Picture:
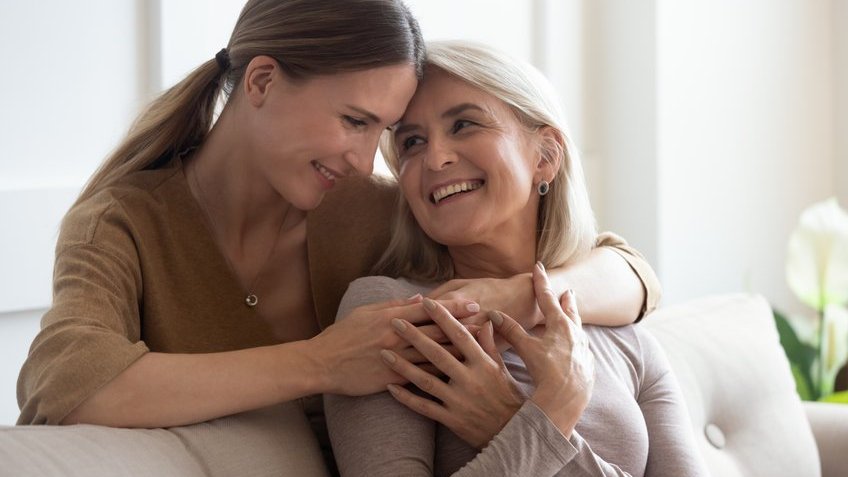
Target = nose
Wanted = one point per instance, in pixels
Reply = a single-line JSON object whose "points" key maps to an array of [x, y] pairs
{"points": [[361, 158], [438, 155]]}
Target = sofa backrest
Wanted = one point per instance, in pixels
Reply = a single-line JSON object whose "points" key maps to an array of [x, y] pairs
{"points": [[747, 416], [276, 440]]}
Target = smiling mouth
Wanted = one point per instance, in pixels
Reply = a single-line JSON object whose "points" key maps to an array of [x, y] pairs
{"points": [[444, 192], [324, 171]]}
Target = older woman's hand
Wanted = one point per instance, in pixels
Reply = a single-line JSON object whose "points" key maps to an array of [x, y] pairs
{"points": [[560, 362], [481, 396]]}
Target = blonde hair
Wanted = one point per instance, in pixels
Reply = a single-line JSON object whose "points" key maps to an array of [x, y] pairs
{"points": [[306, 37], [566, 222]]}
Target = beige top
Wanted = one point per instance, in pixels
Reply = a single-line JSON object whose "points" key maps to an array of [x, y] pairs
{"points": [[137, 270], [636, 423]]}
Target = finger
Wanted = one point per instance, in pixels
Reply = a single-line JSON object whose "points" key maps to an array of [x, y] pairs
{"points": [[512, 333], [392, 303], [548, 301], [414, 356], [570, 307], [455, 331], [416, 314], [429, 368], [434, 352], [487, 342], [415, 375], [423, 406], [460, 307], [434, 333]]}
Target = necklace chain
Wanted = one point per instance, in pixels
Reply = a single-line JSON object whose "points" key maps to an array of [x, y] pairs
{"points": [[251, 299]]}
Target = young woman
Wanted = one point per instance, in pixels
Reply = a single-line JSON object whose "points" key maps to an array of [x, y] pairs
{"points": [[491, 187], [194, 273]]}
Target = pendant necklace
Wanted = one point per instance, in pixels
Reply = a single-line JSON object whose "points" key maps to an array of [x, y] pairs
{"points": [[251, 300]]}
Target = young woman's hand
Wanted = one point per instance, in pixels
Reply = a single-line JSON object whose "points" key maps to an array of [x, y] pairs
{"points": [[348, 351], [481, 396]]}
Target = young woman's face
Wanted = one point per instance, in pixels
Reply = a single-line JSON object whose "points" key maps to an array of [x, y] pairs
{"points": [[308, 134], [467, 166]]}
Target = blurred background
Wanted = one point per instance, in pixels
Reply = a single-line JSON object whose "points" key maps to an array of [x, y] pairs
{"points": [[705, 126]]}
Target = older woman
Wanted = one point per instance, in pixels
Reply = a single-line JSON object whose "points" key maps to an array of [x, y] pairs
{"points": [[490, 186]]}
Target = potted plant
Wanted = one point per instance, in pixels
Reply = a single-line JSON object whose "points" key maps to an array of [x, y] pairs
{"points": [[817, 272]]}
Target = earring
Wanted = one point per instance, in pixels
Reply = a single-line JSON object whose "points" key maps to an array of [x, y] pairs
{"points": [[543, 187]]}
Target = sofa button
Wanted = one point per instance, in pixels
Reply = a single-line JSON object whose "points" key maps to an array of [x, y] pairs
{"points": [[714, 436]]}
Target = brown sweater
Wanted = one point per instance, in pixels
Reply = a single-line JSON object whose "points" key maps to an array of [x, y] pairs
{"points": [[137, 270]]}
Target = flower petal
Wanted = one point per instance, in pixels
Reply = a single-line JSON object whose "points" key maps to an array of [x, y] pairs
{"points": [[817, 257], [835, 343]]}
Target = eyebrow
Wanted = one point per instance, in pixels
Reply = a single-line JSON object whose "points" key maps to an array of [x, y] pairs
{"points": [[371, 116], [454, 111], [461, 108]]}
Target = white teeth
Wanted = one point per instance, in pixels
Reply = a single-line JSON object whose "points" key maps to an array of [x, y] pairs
{"points": [[324, 171], [452, 189]]}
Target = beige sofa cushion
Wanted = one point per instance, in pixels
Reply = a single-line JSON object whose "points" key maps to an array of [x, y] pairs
{"points": [[271, 441], [748, 418]]}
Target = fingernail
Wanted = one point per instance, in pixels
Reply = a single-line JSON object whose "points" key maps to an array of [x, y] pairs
{"points": [[398, 325], [414, 297], [473, 307], [570, 293], [541, 267], [429, 304], [388, 356], [393, 388], [495, 317]]}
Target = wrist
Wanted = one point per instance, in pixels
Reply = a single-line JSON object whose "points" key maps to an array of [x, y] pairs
{"points": [[314, 366], [563, 416]]}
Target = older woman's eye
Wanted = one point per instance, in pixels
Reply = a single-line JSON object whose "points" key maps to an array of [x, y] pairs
{"points": [[461, 124], [410, 142]]}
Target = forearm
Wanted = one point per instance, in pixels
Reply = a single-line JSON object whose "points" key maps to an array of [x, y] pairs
{"points": [[608, 291], [164, 390], [375, 436]]}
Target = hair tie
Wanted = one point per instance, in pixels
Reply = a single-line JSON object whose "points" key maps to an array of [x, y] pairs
{"points": [[223, 59]]}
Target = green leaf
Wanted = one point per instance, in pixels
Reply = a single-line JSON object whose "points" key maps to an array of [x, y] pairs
{"points": [[800, 355], [840, 397], [802, 384]]}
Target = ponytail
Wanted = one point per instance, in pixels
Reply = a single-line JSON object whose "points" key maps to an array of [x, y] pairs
{"points": [[178, 119]]}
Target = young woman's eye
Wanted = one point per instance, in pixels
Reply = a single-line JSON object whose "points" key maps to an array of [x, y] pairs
{"points": [[461, 124], [355, 122]]}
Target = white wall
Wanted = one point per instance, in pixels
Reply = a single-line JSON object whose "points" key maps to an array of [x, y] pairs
{"points": [[744, 113], [715, 129], [620, 120], [68, 98], [840, 52]]}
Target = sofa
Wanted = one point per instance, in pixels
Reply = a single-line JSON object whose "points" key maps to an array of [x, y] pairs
{"points": [[746, 416]]}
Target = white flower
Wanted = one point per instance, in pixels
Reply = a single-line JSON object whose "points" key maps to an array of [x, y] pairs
{"points": [[817, 260], [835, 344]]}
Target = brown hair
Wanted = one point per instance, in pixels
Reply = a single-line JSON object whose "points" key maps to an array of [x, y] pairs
{"points": [[306, 37]]}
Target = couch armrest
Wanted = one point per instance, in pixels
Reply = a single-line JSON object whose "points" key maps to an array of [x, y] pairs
{"points": [[829, 423]]}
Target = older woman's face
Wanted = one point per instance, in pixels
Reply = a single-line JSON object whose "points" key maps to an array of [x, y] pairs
{"points": [[467, 166]]}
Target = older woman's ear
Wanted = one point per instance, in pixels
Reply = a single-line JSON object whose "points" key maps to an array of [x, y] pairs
{"points": [[551, 152]]}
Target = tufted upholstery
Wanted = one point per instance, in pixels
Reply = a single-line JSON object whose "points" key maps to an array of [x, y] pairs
{"points": [[725, 351], [747, 416]]}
